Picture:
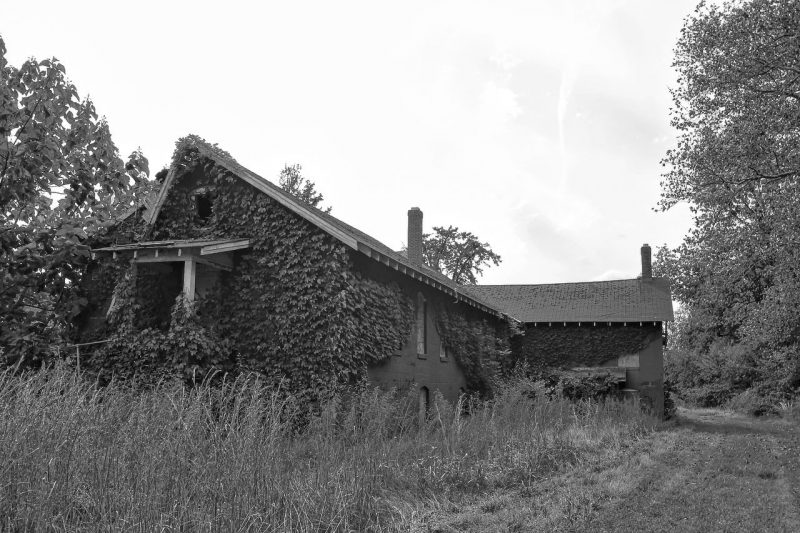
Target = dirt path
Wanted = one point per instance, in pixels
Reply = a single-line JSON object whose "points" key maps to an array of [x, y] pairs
{"points": [[714, 471], [710, 471]]}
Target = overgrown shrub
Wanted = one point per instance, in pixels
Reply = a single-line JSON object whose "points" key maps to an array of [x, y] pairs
{"points": [[187, 350], [753, 379], [597, 387], [572, 386], [670, 409]]}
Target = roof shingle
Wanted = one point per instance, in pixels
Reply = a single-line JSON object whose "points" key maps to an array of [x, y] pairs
{"points": [[628, 300]]}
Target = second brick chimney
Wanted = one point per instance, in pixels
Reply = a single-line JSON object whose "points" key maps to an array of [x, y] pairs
{"points": [[415, 235], [647, 262]]}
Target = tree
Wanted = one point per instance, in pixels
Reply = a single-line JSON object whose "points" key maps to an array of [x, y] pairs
{"points": [[459, 255], [293, 182], [737, 165], [61, 182]]}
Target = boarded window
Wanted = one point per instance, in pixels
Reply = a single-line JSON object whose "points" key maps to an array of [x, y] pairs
{"points": [[628, 361]]}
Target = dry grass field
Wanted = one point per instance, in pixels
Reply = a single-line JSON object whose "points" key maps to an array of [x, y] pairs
{"points": [[74, 457], [710, 470]]}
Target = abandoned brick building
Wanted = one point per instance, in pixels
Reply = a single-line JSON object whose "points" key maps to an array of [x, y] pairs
{"points": [[295, 293], [614, 327]]}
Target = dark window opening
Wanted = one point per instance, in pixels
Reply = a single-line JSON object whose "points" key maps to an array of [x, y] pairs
{"points": [[157, 287], [205, 206], [424, 404]]}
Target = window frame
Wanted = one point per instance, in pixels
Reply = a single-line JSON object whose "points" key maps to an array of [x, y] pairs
{"points": [[421, 326]]}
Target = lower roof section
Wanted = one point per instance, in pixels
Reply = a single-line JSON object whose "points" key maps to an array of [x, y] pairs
{"points": [[627, 300]]}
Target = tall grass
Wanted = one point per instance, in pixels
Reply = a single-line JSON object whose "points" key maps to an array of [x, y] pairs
{"points": [[244, 457]]}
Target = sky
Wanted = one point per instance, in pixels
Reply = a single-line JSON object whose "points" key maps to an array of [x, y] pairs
{"points": [[539, 126]]}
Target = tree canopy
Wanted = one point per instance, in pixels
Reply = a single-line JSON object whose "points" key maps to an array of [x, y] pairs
{"points": [[459, 255], [61, 182], [291, 180], [737, 165]]}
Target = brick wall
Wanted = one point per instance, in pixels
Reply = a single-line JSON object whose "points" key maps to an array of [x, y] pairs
{"points": [[408, 366]]}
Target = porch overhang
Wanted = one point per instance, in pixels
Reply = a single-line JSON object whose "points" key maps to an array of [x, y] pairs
{"points": [[216, 254]]}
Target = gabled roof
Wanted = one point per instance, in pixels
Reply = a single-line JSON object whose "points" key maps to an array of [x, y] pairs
{"points": [[627, 300], [345, 233]]}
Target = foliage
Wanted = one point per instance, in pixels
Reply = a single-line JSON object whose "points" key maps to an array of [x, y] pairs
{"points": [[727, 370], [294, 308], [61, 182], [737, 165], [75, 456], [292, 181], [479, 346], [670, 409], [572, 386], [571, 346], [459, 255], [577, 387], [188, 350]]}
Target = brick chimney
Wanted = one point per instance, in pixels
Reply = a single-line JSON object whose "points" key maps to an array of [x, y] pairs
{"points": [[647, 262], [415, 235]]}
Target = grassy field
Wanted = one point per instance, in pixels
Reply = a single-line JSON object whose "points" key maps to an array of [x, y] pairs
{"points": [[243, 458], [710, 470]]}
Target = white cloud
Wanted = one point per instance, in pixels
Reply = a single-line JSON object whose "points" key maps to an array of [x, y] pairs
{"points": [[536, 125]]}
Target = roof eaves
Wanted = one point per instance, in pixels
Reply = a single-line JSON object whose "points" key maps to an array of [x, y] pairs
{"points": [[401, 264]]}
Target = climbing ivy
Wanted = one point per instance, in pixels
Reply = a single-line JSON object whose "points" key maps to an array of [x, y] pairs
{"points": [[480, 347], [188, 350], [564, 347], [293, 308]]}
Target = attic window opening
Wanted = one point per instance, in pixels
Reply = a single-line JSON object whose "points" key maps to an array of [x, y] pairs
{"points": [[204, 204]]}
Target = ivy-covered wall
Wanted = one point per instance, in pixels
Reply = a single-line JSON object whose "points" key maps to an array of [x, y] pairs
{"points": [[564, 347], [559, 346], [475, 344], [293, 307]]}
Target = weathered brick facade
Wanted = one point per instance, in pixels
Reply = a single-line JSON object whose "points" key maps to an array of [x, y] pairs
{"points": [[605, 324]]}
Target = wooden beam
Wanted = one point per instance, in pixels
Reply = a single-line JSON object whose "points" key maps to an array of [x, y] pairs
{"points": [[225, 247], [189, 278], [164, 257]]}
